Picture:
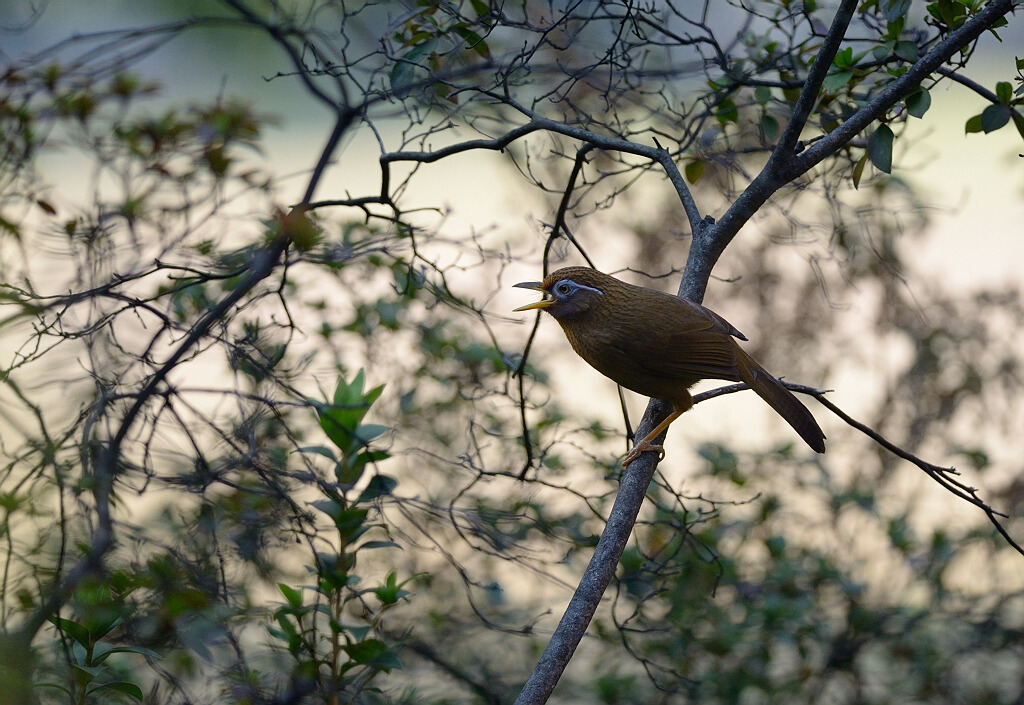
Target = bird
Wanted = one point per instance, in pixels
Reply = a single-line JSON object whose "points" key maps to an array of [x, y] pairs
{"points": [[658, 345]]}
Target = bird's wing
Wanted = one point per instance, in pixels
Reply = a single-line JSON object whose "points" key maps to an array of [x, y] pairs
{"points": [[697, 345]]}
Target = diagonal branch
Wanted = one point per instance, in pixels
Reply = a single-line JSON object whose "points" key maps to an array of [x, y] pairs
{"points": [[808, 97]]}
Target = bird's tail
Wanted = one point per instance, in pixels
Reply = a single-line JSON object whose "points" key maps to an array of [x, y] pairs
{"points": [[782, 400]]}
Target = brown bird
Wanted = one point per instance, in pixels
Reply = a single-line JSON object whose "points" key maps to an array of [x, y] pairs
{"points": [[658, 345]]}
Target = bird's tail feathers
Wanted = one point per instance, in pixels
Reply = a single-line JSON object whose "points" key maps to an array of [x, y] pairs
{"points": [[783, 401]]}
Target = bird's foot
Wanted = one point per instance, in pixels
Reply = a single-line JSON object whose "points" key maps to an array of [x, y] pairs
{"points": [[640, 448]]}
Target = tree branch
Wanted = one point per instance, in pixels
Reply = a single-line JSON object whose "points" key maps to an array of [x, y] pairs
{"points": [[785, 149]]}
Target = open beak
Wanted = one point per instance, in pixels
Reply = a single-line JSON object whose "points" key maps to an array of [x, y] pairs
{"points": [[536, 286]]}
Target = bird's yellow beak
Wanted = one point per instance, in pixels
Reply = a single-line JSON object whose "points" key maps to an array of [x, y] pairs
{"points": [[536, 286]]}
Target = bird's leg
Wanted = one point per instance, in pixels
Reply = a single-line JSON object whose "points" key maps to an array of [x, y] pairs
{"points": [[645, 444]]}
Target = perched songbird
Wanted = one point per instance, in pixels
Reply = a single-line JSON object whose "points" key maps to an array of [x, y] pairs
{"points": [[658, 345]]}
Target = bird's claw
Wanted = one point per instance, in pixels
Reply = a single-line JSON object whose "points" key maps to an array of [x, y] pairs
{"points": [[641, 448]]}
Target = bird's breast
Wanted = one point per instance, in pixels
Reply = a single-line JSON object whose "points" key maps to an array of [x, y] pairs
{"points": [[615, 352]]}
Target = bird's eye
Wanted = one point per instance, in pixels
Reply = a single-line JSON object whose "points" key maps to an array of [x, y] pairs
{"points": [[563, 288]]}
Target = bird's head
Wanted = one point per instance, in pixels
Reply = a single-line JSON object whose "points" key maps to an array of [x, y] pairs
{"points": [[569, 292]]}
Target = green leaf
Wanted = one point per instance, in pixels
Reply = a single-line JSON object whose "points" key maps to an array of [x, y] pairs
{"points": [[894, 9], [905, 50], [880, 148], [769, 128], [407, 68], [721, 460], [918, 102], [834, 81], [102, 650], [348, 473], [317, 450], [293, 596], [844, 58], [372, 395], [328, 506], [1004, 91], [380, 485], [474, 40], [56, 686], [727, 112], [881, 51], [119, 686], [73, 629], [349, 393], [351, 523], [373, 652], [994, 117], [90, 671], [973, 124], [368, 432], [480, 7], [858, 170], [693, 171], [762, 94], [339, 424], [893, 30], [391, 592]]}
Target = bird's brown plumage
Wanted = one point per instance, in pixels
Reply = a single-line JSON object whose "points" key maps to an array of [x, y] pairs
{"points": [[659, 345]]}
